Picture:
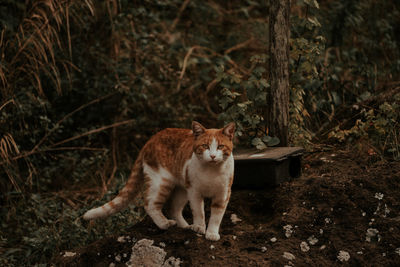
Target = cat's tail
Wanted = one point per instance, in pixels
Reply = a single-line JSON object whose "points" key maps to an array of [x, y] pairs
{"points": [[125, 196]]}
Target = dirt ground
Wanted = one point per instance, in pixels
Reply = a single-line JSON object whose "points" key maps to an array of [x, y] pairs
{"points": [[344, 210]]}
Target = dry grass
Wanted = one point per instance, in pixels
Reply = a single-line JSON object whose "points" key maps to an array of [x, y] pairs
{"points": [[34, 52], [34, 46]]}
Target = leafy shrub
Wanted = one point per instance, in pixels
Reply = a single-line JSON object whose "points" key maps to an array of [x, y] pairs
{"points": [[381, 125]]}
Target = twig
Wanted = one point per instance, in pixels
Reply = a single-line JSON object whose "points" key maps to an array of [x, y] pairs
{"points": [[6, 103], [72, 148], [176, 20], [185, 60], [92, 132], [239, 46], [26, 154], [189, 53], [66, 117]]}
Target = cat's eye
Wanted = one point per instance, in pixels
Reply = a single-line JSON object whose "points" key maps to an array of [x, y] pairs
{"points": [[221, 146], [205, 146]]}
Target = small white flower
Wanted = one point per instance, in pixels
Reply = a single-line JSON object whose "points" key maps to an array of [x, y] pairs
{"points": [[263, 249], [397, 251], [235, 219], [343, 256], [273, 239], [312, 240], [122, 239], [212, 247], [288, 230], [304, 246], [327, 220], [379, 196], [371, 233], [322, 247], [288, 256], [69, 254]]}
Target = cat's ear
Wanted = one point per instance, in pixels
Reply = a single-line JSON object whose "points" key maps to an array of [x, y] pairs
{"points": [[229, 130], [197, 129]]}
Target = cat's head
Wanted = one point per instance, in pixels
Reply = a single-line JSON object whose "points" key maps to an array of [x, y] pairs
{"points": [[213, 145]]}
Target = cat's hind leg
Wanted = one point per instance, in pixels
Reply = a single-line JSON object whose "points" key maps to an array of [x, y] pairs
{"points": [[159, 185], [176, 204]]}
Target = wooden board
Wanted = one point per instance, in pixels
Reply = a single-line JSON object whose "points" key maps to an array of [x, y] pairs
{"points": [[269, 154], [258, 169]]}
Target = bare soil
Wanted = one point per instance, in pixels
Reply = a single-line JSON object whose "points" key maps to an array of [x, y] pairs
{"points": [[339, 197]]}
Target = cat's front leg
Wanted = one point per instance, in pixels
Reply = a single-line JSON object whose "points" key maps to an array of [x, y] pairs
{"points": [[197, 205], [218, 207]]}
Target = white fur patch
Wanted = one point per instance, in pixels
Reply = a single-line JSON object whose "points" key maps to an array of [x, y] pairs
{"points": [[213, 153], [157, 177], [210, 179]]}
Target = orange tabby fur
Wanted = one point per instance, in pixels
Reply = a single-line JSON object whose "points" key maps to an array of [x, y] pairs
{"points": [[180, 165]]}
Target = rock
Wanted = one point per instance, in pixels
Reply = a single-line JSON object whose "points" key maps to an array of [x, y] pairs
{"points": [[145, 254]]}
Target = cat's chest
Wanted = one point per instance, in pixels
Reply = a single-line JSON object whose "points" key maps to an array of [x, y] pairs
{"points": [[210, 180]]}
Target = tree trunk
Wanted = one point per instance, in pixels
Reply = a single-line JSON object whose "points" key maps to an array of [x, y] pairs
{"points": [[278, 99]]}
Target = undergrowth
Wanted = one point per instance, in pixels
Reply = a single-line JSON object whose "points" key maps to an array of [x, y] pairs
{"points": [[37, 227], [85, 83]]}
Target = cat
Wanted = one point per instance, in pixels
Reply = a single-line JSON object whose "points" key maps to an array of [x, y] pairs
{"points": [[181, 165]]}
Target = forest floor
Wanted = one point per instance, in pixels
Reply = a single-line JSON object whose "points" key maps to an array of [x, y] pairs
{"points": [[343, 210]]}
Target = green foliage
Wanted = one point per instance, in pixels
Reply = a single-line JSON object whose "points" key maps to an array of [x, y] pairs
{"points": [[360, 63], [381, 125], [307, 46], [85, 83], [243, 101], [243, 97]]}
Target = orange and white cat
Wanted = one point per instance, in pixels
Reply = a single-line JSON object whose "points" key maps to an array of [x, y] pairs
{"points": [[181, 165]]}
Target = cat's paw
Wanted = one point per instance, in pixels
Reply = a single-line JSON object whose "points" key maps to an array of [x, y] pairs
{"points": [[212, 236], [167, 224], [201, 229]]}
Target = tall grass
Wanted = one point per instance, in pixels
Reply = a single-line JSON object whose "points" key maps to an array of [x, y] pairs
{"points": [[34, 54], [29, 54]]}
